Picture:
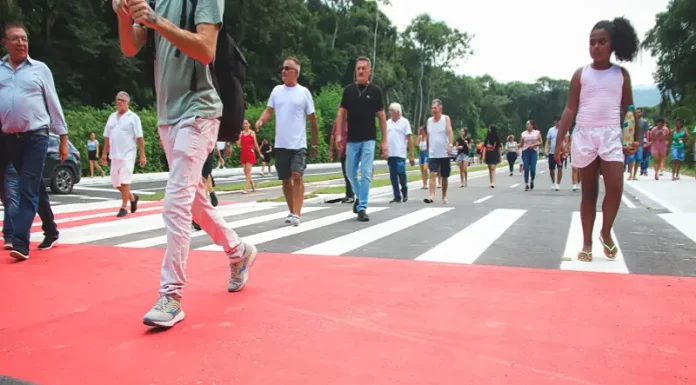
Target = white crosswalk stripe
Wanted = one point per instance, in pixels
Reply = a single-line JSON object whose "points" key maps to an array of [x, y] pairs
{"points": [[471, 234]]}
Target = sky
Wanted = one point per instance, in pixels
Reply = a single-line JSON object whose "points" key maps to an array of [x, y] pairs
{"points": [[525, 40]]}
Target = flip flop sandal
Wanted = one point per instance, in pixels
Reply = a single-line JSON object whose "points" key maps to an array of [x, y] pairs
{"points": [[585, 256], [428, 200], [611, 250]]}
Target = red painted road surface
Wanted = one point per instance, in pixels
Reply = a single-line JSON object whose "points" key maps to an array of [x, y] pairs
{"points": [[73, 315]]}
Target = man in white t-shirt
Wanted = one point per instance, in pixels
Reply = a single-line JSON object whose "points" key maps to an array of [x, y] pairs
{"points": [[555, 170], [292, 104], [398, 135], [123, 138]]}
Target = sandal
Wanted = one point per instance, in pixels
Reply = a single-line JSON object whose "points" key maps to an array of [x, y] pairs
{"points": [[585, 256], [612, 251]]}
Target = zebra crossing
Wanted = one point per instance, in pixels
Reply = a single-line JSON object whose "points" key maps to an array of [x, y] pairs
{"points": [[648, 243]]}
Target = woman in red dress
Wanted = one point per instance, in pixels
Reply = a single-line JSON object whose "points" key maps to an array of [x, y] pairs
{"points": [[247, 143]]}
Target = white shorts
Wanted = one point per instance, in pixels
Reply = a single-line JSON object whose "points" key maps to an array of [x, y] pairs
{"points": [[590, 143], [122, 171]]}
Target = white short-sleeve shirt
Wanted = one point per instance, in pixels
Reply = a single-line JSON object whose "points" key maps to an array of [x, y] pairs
{"points": [[122, 133], [396, 137], [292, 105]]}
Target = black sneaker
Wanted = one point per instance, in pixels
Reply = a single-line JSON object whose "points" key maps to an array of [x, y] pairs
{"points": [[395, 200], [48, 243], [19, 255], [134, 203], [362, 216], [355, 207], [196, 226], [122, 212], [213, 199], [405, 198]]}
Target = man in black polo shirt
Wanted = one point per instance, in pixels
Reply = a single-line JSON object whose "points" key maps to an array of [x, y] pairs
{"points": [[361, 100]]}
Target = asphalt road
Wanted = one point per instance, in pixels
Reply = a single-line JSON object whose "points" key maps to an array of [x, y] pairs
{"points": [[504, 225]]}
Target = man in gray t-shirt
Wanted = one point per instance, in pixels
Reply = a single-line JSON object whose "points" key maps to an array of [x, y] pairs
{"points": [[189, 120]]}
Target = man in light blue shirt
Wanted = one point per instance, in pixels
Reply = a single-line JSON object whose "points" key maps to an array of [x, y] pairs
{"points": [[29, 107]]}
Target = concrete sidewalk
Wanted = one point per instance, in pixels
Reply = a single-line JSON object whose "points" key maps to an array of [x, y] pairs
{"points": [[217, 173], [675, 196]]}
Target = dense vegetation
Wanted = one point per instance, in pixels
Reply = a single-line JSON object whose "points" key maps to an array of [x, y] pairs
{"points": [[78, 40], [673, 42]]}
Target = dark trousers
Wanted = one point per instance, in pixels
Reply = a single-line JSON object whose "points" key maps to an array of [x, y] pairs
{"points": [[511, 158], [28, 154], [397, 174], [349, 189]]}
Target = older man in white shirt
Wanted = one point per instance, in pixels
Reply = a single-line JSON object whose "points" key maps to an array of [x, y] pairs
{"points": [[123, 138]]}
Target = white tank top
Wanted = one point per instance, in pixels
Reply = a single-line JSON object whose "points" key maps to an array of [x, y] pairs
{"points": [[437, 134], [600, 97]]}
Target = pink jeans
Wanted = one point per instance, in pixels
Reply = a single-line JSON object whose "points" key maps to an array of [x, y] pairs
{"points": [[187, 145]]}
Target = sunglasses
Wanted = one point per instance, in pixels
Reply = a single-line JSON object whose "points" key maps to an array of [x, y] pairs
{"points": [[286, 68]]}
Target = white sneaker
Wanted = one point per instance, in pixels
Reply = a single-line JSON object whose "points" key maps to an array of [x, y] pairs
{"points": [[295, 220], [557, 187]]}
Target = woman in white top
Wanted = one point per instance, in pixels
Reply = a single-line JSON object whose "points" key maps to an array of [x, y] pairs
{"points": [[511, 150], [600, 94], [423, 155], [530, 140]]}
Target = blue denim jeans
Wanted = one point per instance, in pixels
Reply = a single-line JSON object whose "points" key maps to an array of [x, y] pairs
{"points": [[645, 161], [397, 174], [529, 158], [10, 201], [360, 155], [28, 155]]}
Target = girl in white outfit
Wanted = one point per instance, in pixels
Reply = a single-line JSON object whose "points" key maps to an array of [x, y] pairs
{"points": [[600, 94]]}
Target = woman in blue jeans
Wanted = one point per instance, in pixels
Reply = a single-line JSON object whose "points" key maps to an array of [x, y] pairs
{"points": [[530, 142]]}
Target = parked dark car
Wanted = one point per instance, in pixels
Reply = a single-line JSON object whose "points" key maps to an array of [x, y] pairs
{"points": [[61, 177]]}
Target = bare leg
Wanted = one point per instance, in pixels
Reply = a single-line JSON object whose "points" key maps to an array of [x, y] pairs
{"points": [[288, 193], [613, 187], [588, 202], [433, 184], [491, 174], [297, 193]]}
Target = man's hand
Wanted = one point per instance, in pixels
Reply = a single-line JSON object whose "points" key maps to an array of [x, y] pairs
{"points": [[412, 160], [385, 152], [228, 150], [103, 160], [121, 8], [142, 13], [258, 125], [557, 156], [63, 148], [313, 151], [339, 143], [143, 160]]}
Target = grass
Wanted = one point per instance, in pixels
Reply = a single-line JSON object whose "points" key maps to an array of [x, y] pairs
{"points": [[271, 183], [383, 182]]}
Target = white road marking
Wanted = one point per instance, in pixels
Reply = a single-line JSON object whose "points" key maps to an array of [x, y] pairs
{"points": [[111, 190], [357, 239], [159, 240], [484, 199], [600, 263], [514, 185], [477, 237], [627, 202]]}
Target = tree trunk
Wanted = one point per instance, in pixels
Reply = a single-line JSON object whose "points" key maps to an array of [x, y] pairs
{"points": [[335, 34], [374, 44]]}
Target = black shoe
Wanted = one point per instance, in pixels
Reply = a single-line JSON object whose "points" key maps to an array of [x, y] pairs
{"points": [[526, 187], [531, 186], [122, 213], [19, 255], [196, 226], [362, 216], [213, 199], [395, 200], [134, 203], [405, 199], [48, 243], [355, 207]]}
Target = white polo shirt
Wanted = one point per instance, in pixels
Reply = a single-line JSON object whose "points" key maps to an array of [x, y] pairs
{"points": [[122, 133], [396, 137]]}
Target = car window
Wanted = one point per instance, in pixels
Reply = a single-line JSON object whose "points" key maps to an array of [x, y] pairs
{"points": [[52, 143]]}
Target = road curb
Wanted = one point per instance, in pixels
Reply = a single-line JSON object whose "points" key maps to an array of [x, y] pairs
{"points": [[217, 173]]}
